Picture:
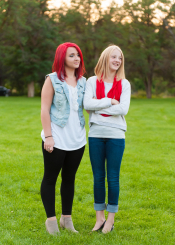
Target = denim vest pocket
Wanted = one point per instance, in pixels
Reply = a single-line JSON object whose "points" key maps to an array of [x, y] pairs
{"points": [[60, 101], [60, 108], [60, 94]]}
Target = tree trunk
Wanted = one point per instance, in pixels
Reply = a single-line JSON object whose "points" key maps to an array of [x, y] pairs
{"points": [[148, 91], [31, 89], [148, 85]]}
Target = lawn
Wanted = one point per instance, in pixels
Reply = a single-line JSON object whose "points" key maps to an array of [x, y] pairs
{"points": [[147, 185]]}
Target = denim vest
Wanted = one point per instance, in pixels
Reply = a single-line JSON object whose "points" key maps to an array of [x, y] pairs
{"points": [[60, 108]]}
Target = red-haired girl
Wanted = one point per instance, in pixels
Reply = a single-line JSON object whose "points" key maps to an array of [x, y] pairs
{"points": [[63, 134]]}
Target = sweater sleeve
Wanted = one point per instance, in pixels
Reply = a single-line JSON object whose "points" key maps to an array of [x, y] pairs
{"points": [[84, 81], [94, 104], [123, 107]]}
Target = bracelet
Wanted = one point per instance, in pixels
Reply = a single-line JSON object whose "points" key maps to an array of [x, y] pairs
{"points": [[48, 136]]}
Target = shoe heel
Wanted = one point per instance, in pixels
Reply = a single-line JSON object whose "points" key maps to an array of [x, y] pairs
{"points": [[101, 227], [52, 227], [61, 224]]}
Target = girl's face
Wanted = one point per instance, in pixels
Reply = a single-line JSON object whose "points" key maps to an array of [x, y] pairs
{"points": [[115, 60], [72, 59]]}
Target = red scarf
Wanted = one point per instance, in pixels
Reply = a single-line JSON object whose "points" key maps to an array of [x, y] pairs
{"points": [[114, 93]]}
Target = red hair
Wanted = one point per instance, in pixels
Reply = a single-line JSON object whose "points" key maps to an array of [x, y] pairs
{"points": [[58, 64]]}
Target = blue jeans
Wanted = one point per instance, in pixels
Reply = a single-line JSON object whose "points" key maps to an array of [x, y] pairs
{"points": [[111, 150]]}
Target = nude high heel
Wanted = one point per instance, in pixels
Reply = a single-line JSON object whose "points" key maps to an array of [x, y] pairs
{"points": [[52, 227], [66, 222]]}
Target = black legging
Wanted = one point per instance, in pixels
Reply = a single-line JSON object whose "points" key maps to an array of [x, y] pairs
{"points": [[69, 162]]}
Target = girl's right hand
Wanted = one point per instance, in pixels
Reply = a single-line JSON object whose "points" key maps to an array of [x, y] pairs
{"points": [[49, 144], [114, 102]]}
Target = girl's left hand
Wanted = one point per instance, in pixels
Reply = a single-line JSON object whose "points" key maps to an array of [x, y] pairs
{"points": [[49, 144], [114, 102]]}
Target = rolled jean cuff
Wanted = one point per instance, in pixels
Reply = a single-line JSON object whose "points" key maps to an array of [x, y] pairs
{"points": [[99, 206], [112, 208]]}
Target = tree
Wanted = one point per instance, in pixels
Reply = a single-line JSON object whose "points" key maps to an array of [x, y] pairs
{"points": [[29, 42], [145, 31], [91, 28], [144, 43], [167, 32]]}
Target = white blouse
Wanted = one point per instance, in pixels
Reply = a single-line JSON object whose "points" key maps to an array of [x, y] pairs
{"points": [[72, 136]]}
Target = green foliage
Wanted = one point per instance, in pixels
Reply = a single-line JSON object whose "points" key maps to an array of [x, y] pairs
{"points": [[147, 180], [28, 42], [144, 30], [137, 84], [144, 49]]}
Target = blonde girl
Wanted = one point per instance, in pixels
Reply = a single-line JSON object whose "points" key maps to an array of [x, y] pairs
{"points": [[107, 97]]}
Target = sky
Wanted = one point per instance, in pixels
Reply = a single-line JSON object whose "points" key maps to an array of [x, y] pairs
{"points": [[105, 3]]}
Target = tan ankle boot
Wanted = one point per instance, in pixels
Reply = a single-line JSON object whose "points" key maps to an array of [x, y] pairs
{"points": [[66, 222], [52, 227]]}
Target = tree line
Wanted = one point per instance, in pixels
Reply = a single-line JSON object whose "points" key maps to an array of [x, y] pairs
{"points": [[145, 30]]}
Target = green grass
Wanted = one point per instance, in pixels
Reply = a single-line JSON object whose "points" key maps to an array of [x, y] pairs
{"points": [[147, 184]]}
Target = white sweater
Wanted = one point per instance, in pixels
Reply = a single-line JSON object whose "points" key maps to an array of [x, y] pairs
{"points": [[103, 106]]}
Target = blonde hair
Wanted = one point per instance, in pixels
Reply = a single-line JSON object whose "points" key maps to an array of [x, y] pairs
{"points": [[102, 68]]}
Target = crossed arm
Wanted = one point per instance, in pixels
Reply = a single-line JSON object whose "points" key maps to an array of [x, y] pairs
{"points": [[107, 105]]}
